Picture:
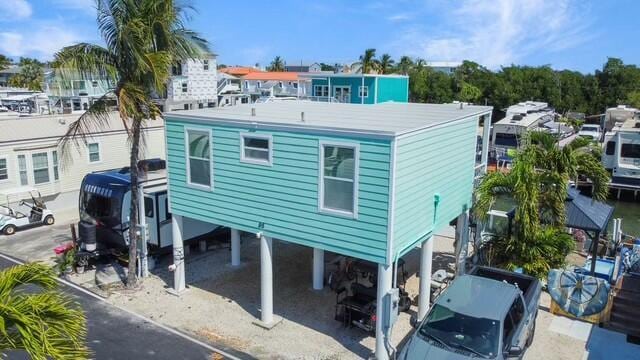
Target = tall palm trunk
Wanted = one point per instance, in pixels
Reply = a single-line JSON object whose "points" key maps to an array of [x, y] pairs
{"points": [[135, 194]]}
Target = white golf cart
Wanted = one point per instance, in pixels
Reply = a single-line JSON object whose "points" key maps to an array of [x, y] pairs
{"points": [[18, 212]]}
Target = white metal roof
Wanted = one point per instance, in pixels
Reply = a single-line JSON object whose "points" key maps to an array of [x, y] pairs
{"points": [[386, 119]]}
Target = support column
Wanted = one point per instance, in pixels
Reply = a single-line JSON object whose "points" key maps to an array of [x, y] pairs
{"points": [[426, 257], [235, 247], [318, 269], [142, 228], [178, 255], [384, 286], [266, 280], [486, 134], [594, 252]]}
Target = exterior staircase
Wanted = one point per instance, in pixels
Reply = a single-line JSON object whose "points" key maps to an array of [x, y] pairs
{"points": [[625, 310]]}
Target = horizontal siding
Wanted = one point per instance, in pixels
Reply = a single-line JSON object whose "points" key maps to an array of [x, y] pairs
{"points": [[114, 152], [438, 161], [284, 196]]}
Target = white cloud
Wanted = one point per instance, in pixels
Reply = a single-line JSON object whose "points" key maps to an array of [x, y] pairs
{"points": [[41, 42], [399, 17], [14, 10], [498, 32]]}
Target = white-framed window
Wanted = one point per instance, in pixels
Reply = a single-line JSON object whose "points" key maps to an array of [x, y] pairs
{"points": [[339, 178], [363, 91], [321, 90], [22, 170], [94, 84], [56, 172], [93, 149], [4, 169], [256, 149], [198, 156], [205, 64], [184, 87], [40, 162]]}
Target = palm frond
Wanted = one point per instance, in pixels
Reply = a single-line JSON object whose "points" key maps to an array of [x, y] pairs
{"points": [[86, 60]]}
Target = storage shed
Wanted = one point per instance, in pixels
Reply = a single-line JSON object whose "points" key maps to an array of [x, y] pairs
{"points": [[371, 182]]}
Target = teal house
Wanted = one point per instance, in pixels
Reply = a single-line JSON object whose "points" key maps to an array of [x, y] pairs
{"points": [[360, 88], [370, 182]]}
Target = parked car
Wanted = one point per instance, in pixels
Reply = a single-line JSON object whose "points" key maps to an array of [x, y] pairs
{"points": [[488, 313], [590, 131]]}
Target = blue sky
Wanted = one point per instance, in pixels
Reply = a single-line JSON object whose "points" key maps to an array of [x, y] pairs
{"points": [[573, 34]]}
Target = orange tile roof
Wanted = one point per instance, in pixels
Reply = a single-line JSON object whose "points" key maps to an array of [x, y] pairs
{"points": [[239, 70], [272, 75]]}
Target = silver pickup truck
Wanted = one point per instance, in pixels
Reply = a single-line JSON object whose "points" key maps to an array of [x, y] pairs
{"points": [[488, 313]]}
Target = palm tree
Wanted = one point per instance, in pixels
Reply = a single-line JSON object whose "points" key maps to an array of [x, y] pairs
{"points": [[277, 64], [386, 64], [142, 40], [368, 62], [404, 65], [36, 318], [538, 184], [4, 62]]}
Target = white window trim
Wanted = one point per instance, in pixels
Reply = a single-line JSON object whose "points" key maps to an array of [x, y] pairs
{"points": [[360, 88], [267, 137], [316, 87], [184, 87], [26, 168], [49, 167], [187, 162], [356, 177], [6, 159], [89, 152]]}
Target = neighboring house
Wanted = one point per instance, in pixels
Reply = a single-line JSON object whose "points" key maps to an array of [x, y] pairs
{"points": [[274, 83], [193, 85], [447, 67], [238, 71], [369, 182], [7, 74], [358, 88], [74, 93], [313, 68], [29, 155]]}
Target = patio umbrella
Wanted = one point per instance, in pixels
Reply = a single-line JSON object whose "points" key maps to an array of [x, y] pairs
{"points": [[578, 294]]}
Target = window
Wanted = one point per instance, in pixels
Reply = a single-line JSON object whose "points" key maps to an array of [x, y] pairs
{"points": [[205, 64], [79, 85], [176, 69], [363, 91], [40, 168], [503, 139], [339, 178], [94, 152], [4, 172], [199, 158], [256, 149], [611, 148], [321, 90], [94, 84], [148, 207], [630, 151], [54, 156], [22, 170], [184, 87]]}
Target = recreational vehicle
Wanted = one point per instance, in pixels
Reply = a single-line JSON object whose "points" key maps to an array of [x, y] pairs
{"points": [[520, 118], [622, 152], [105, 198]]}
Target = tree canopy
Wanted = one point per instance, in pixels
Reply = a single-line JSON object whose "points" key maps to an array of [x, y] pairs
{"points": [[31, 75]]}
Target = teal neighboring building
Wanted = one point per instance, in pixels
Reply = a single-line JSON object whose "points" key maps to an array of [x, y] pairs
{"points": [[370, 182], [360, 88]]}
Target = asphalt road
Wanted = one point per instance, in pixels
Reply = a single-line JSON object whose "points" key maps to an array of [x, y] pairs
{"points": [[116, 334]]}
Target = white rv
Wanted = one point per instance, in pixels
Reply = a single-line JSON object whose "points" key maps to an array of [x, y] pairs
{"points": [[520, 118], [621, 153]]}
